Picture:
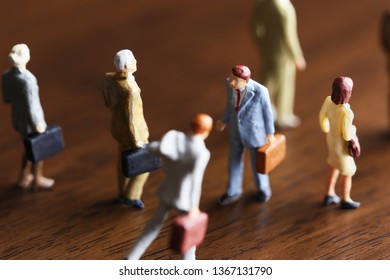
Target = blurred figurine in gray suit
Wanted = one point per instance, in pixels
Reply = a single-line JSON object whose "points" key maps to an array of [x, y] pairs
{"points": [[20, 89], [184, 160]]}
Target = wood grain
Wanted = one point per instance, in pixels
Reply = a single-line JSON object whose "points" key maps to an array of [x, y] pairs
{"points": [[185, 50]]}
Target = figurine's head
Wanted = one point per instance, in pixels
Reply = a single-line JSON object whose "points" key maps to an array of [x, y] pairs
{"points": [[125, 61], [341, 90], [20, 55], [201, 125], [239, 77]]}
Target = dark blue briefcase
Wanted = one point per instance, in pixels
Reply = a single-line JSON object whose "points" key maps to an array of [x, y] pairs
{"points": [[40, 146], [138, 161]]}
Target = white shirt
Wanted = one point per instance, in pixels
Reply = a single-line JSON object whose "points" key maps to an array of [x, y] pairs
{"points": [[243, 92]]}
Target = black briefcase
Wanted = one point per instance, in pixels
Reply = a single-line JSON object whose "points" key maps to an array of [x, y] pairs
{"points": [[138, 161], [40, 146]]}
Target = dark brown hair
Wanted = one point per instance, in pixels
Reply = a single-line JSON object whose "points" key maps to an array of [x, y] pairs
{"points": [[242, 72], [341, 90]]}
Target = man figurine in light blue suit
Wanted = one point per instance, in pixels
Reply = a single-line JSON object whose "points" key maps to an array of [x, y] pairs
{"points": [[248, 115]]}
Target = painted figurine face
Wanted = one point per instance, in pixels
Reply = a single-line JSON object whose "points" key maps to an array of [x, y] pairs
{"points": [[236, 82], [131, 66]]}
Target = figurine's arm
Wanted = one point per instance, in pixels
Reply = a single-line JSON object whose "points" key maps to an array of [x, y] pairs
{"points": [[221, 124], [267, 113], [348, 129], [6, 94], [194, 212], [137, 125], [291, 34], [106, 92], [34, 107], [153, 147], [323, 119]]}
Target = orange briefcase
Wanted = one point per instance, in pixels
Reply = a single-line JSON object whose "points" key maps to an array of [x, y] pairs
{"points": [[271, 154]]}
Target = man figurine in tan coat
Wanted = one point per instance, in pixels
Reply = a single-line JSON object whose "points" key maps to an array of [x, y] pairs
{"points": [[274, 25], [128, 127]]}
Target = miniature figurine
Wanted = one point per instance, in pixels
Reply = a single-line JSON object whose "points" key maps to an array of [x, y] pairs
{"points": [[128, 127], [336, 119], [20, 89], [184, 159], [248, 114], [386, 43], [274, 25]]}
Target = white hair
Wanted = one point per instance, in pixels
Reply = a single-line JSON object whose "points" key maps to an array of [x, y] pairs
{"points": [[20, 55], [124, 59]]}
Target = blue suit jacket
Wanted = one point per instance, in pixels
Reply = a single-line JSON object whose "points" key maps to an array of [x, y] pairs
{"points": [[254, 119]]}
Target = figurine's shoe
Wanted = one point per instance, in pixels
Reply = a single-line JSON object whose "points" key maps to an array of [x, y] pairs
{"points": [[262, 197], [350, 205], [25, 182], [120, 200], [43, 183], [229, 199], [331, 199], [292, 122], [136, 203]]}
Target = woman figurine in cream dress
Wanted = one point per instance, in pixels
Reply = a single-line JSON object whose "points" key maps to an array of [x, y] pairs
{"points": [[336, 119]]}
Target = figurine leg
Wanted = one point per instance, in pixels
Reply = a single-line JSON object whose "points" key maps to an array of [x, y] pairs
{"points": [[135, 186], [41, 182], [347, 202], [149, 234], [272, 84], [133, 191], [26, 178], [189, 254], [285, 97], [236, 168], [331, 197], [261, 180], [331, 182], [122, 180]]}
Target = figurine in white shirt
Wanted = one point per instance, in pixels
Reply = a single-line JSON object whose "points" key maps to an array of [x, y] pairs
{"points": [[184, 160]]}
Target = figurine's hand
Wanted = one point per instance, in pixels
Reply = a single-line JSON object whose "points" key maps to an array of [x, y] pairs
{"points": [[270, 138], [194, 212], [220, 125], [300, 63], [40, 128], [140, 144]]}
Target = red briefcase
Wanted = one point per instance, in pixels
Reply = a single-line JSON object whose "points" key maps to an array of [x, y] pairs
{"points": [[188, 231]]}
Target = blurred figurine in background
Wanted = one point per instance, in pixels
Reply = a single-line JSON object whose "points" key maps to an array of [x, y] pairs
{"points": [[184, 160], [336, 119], [386, 45], [274, 25], [20, 89], [248, 115], [128, 126]]}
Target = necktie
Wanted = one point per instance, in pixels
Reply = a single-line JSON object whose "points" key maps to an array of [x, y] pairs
{"points": [[238, 99]]}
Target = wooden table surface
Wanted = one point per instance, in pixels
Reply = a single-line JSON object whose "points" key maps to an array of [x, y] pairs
{"points": [[185, 50]]}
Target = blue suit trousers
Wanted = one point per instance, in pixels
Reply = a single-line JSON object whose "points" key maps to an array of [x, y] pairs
{"points": [[236, 169]]}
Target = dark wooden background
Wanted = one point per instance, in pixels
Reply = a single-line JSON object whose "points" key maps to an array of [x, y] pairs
{"points": [[185, 50]]}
